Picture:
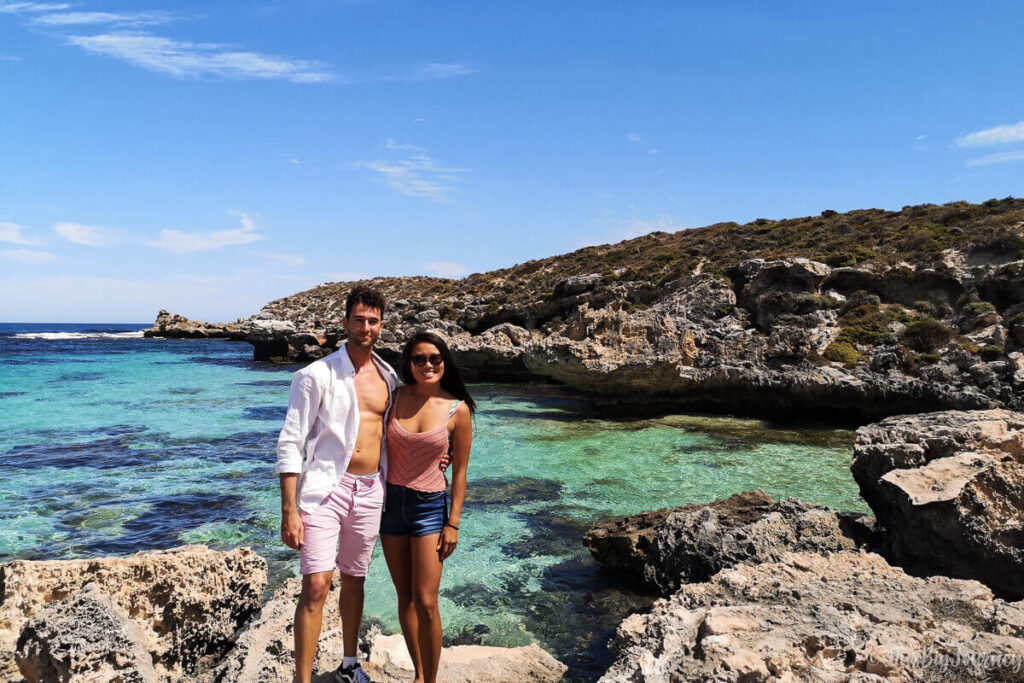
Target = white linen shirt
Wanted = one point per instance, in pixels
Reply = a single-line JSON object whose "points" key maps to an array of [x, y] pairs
{"points": [[320, 429]]}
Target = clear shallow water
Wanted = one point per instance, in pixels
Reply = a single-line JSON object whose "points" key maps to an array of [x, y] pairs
{"points": [[111, 443]]}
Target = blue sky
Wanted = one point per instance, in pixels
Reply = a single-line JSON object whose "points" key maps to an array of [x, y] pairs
{"points": [[209, 157]]}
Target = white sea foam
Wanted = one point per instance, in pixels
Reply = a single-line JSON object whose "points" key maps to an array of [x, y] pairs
{"points": [[134, 334]]}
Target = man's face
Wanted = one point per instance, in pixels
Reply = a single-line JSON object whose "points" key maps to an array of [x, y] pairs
{"points": [[363, 325]]}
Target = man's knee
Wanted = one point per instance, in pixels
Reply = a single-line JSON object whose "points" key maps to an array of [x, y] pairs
{"points": [[315, 588], [352, 585]]}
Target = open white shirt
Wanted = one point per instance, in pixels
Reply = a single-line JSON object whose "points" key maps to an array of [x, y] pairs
{"points": [[320, 429]]}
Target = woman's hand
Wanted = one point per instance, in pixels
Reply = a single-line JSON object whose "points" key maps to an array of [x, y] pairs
{"points": [[292, 531], [447, 541]]}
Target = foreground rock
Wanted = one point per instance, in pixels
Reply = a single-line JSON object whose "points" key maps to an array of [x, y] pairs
{"points": [[87, 636], [186, 603], [949, 490], [671, 547], [263, 653], [845, 617], [389, 662]]}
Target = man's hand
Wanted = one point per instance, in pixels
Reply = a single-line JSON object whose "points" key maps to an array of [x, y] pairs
{"points": [[443, 463], [292, 531]]}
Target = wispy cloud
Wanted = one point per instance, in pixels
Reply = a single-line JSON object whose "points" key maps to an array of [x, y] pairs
{"points": [[89, 235], [29, 256], [446, 269], [12, 233], [434, 71], [190, 242], [998, 158], [400, 146], [627, 229], [183, 59], [123, 19], [999, 135], [29, 7], [634, 137], [417, 176], [290, 260]]}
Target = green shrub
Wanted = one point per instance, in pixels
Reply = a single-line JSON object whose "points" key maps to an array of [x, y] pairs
{"points": [[963, 300], [494, 307], [724, 310], [927, 335], [926, 358], [990, 352], [978, 308], [841, 352], [926, 307], [965, 344]]}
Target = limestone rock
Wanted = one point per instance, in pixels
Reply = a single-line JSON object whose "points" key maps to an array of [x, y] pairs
{"points": [[174, 326], [85, 637], [389, 662], [188, 602], [848, 616], [949, 490], [264, 652]]}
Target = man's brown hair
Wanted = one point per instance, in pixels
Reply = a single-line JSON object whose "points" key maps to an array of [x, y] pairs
{"points": [[367, 296]]}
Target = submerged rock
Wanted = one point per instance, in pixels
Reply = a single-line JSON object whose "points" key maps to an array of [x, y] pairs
{"points": [[186, 602], [948, 488], [848, 616]]}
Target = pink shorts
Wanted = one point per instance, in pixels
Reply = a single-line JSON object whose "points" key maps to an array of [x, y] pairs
{"points": [[342, 531]]}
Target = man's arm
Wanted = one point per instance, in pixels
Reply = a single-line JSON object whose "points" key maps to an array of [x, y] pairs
{"points": [[292, 531]]}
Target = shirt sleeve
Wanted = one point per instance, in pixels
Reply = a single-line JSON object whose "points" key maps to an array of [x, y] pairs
{"points": [[303, 406]]}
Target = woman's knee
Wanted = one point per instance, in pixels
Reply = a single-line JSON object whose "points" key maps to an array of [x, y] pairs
{"points": [[426, 602]]}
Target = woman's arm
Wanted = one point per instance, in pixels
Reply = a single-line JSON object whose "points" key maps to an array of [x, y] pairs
{"points": [[462, 441]]}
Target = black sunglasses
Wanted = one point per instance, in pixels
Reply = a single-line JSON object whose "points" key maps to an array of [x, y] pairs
{"points": [[420, 360]]}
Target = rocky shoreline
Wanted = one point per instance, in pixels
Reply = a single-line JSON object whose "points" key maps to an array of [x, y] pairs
{"points": [[683, 325], [753, 589]]}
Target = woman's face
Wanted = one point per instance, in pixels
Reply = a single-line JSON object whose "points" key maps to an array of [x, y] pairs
{"points": [[426, 363]]}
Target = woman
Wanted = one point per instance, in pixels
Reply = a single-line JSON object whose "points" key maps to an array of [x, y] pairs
{"points": [[432, 415]]}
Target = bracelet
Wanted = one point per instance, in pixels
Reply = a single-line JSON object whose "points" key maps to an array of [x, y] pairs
{"points": [[451, 525]]}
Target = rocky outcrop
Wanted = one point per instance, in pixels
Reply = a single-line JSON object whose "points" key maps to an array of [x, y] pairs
{"points": [[389, 662], [949, 490], [187, 603], [174, 326], [848, 616], [671, 547], [86, 636]]}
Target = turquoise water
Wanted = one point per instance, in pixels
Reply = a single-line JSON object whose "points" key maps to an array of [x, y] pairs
{"points": [[114, 444]]}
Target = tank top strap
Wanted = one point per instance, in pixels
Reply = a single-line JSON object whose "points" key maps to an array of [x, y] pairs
{"points": [[454, 406]]}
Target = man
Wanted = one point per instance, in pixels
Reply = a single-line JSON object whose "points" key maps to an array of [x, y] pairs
{"points": [[332, 462]]}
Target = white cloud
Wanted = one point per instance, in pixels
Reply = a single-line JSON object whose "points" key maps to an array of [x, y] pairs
{"points": [[30, 256], [920, 137], [629, 228], [417, 176], [348, 276], [183, 59], [26, 7], [126, 19], [291, 260], [12, 234], [1000, 135], [190, 242], [634, 137], [653, 151], [435, 71], [445, 269], [998, 158], [89, 235], [400, 147]]}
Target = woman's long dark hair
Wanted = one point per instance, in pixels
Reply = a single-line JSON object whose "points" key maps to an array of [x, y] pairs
{"points": [[451, 380]]}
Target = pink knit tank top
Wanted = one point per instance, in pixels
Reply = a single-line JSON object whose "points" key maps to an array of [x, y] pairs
{"points": [[413, 456]]}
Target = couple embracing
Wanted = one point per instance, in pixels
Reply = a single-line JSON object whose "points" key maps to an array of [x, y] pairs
{"points": [[360, 456]]}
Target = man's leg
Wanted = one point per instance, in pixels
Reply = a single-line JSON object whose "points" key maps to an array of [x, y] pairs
{"points": [[350, 604], [309, 614]]}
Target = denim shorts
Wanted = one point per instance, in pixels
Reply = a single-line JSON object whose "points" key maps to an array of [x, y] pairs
{"points": [[408, 512]]}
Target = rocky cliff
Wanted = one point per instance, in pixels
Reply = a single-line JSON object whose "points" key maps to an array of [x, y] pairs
{"points": [[869, 313]]}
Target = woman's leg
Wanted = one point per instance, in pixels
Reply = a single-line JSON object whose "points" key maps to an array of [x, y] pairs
{"points": [[426, 581], [397, 553]]}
